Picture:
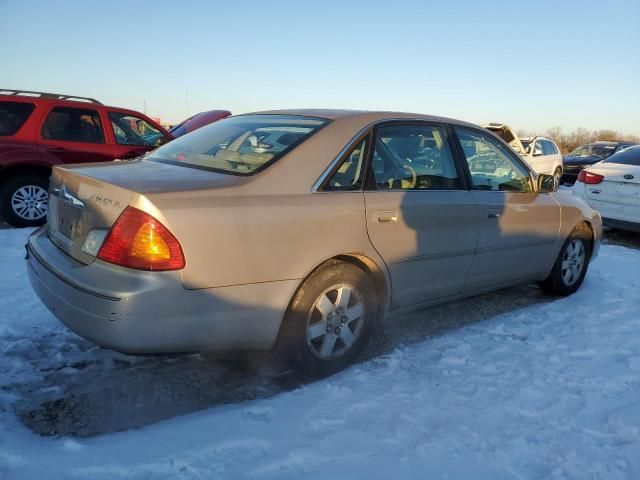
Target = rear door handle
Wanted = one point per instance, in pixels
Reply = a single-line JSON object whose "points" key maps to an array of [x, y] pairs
{"points": [[492, 214], [385, 217]]}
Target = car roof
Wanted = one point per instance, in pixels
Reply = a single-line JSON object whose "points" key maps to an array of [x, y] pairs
{"points": [[69, 103], [368, 115]]}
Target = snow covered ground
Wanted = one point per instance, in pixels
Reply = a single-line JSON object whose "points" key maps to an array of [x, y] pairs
{"points": [[551, 390]]}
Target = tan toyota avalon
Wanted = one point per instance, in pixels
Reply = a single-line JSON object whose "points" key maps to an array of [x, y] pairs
{"points": [[299, 229]]}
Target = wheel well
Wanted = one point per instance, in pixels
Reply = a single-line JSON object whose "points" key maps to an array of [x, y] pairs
{"points": [[586, 224], [32, 169], [375, 273]]}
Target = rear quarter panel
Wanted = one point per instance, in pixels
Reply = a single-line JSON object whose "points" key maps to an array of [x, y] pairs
{"points": [[233, 240]]}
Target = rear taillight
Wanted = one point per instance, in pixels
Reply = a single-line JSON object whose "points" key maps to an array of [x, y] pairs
{"points": [[137, 240], [590, 178]]}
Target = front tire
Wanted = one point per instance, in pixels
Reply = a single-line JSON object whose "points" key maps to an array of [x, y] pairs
{"points": [[558, 176], [24, 200], [330, 320], [571, 265]]}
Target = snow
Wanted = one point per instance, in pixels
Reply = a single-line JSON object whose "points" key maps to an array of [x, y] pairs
{"points": [[547, 391]]}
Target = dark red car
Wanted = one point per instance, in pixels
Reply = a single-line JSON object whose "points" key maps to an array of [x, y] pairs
{"points": [[40, 130], [198, 120]]}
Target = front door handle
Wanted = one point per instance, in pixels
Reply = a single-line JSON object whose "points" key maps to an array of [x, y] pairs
{"points": [[385, 217]]}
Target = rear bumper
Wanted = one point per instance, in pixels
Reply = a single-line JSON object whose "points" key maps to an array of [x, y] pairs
{"points": [[151, 312]]}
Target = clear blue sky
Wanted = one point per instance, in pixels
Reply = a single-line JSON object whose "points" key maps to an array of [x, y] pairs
{"points": [[534, 64]]}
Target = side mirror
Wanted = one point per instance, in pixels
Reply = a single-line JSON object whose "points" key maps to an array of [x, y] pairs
{"points": [[537, 153], [547, 183]]}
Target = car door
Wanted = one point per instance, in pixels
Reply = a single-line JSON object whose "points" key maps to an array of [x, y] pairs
{"points": [[133, 135], [517, 226], [73, 135], [420, 217]]}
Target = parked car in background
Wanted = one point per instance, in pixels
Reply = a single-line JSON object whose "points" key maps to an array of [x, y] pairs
{"points": [[612, 187], [40, 130], [589, 154], [539, 152], [252, 232], [198, 120]]}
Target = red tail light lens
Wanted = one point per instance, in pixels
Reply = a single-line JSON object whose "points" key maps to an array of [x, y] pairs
{"points": [[137, 240], [590, 178]]}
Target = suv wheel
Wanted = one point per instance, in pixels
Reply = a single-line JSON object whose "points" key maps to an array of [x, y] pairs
{"points": [[571, 265], [24, 200], [330, 320]]}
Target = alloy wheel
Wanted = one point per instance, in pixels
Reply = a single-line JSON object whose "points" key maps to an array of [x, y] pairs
{"points": [[335, 321], [573, 262], [30, 202]]}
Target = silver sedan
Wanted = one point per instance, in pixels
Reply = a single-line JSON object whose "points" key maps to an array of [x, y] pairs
{"points": [[299, 230]]}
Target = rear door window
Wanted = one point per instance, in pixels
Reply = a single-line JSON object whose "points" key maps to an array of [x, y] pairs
{"points": [[349, 174], [12, 116], [413, 157], [131, 130], [73, 125]]}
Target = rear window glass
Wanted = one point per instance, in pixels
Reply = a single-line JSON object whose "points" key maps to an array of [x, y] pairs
{"points": [[239, 145], [629, 156], [12, 116]]}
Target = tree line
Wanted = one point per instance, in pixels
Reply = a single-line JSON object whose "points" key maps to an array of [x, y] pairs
{"points": [[567, 142]]}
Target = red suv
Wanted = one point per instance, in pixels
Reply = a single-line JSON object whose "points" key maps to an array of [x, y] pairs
{"points": [[39, 130]]}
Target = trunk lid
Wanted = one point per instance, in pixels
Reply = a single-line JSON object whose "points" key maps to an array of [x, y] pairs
{"points": [[616, 190], [88, 197], [508, 135]]}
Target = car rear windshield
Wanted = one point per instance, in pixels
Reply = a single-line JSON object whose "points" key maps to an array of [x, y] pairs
{"points": [[240, 145], [600, 151], [12, 116], [628, 156]]}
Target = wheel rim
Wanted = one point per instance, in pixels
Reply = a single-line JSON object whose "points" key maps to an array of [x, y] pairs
{"points": [[573, 262], [30, 202], [335, 322]]}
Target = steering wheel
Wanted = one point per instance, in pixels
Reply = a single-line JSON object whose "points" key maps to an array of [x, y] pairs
{"points": [[391, 178]]}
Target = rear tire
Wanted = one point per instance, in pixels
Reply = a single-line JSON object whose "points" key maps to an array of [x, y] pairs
{"points": [[572, 263], [330, 320], [24, 200]]}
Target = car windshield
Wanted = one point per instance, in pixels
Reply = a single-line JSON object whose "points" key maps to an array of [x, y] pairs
{"points": [[239, 145], [525, 144], [628, 156], [600, 151]]}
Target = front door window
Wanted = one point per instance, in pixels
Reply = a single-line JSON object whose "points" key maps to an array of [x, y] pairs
{"points": [[491, 166]]}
